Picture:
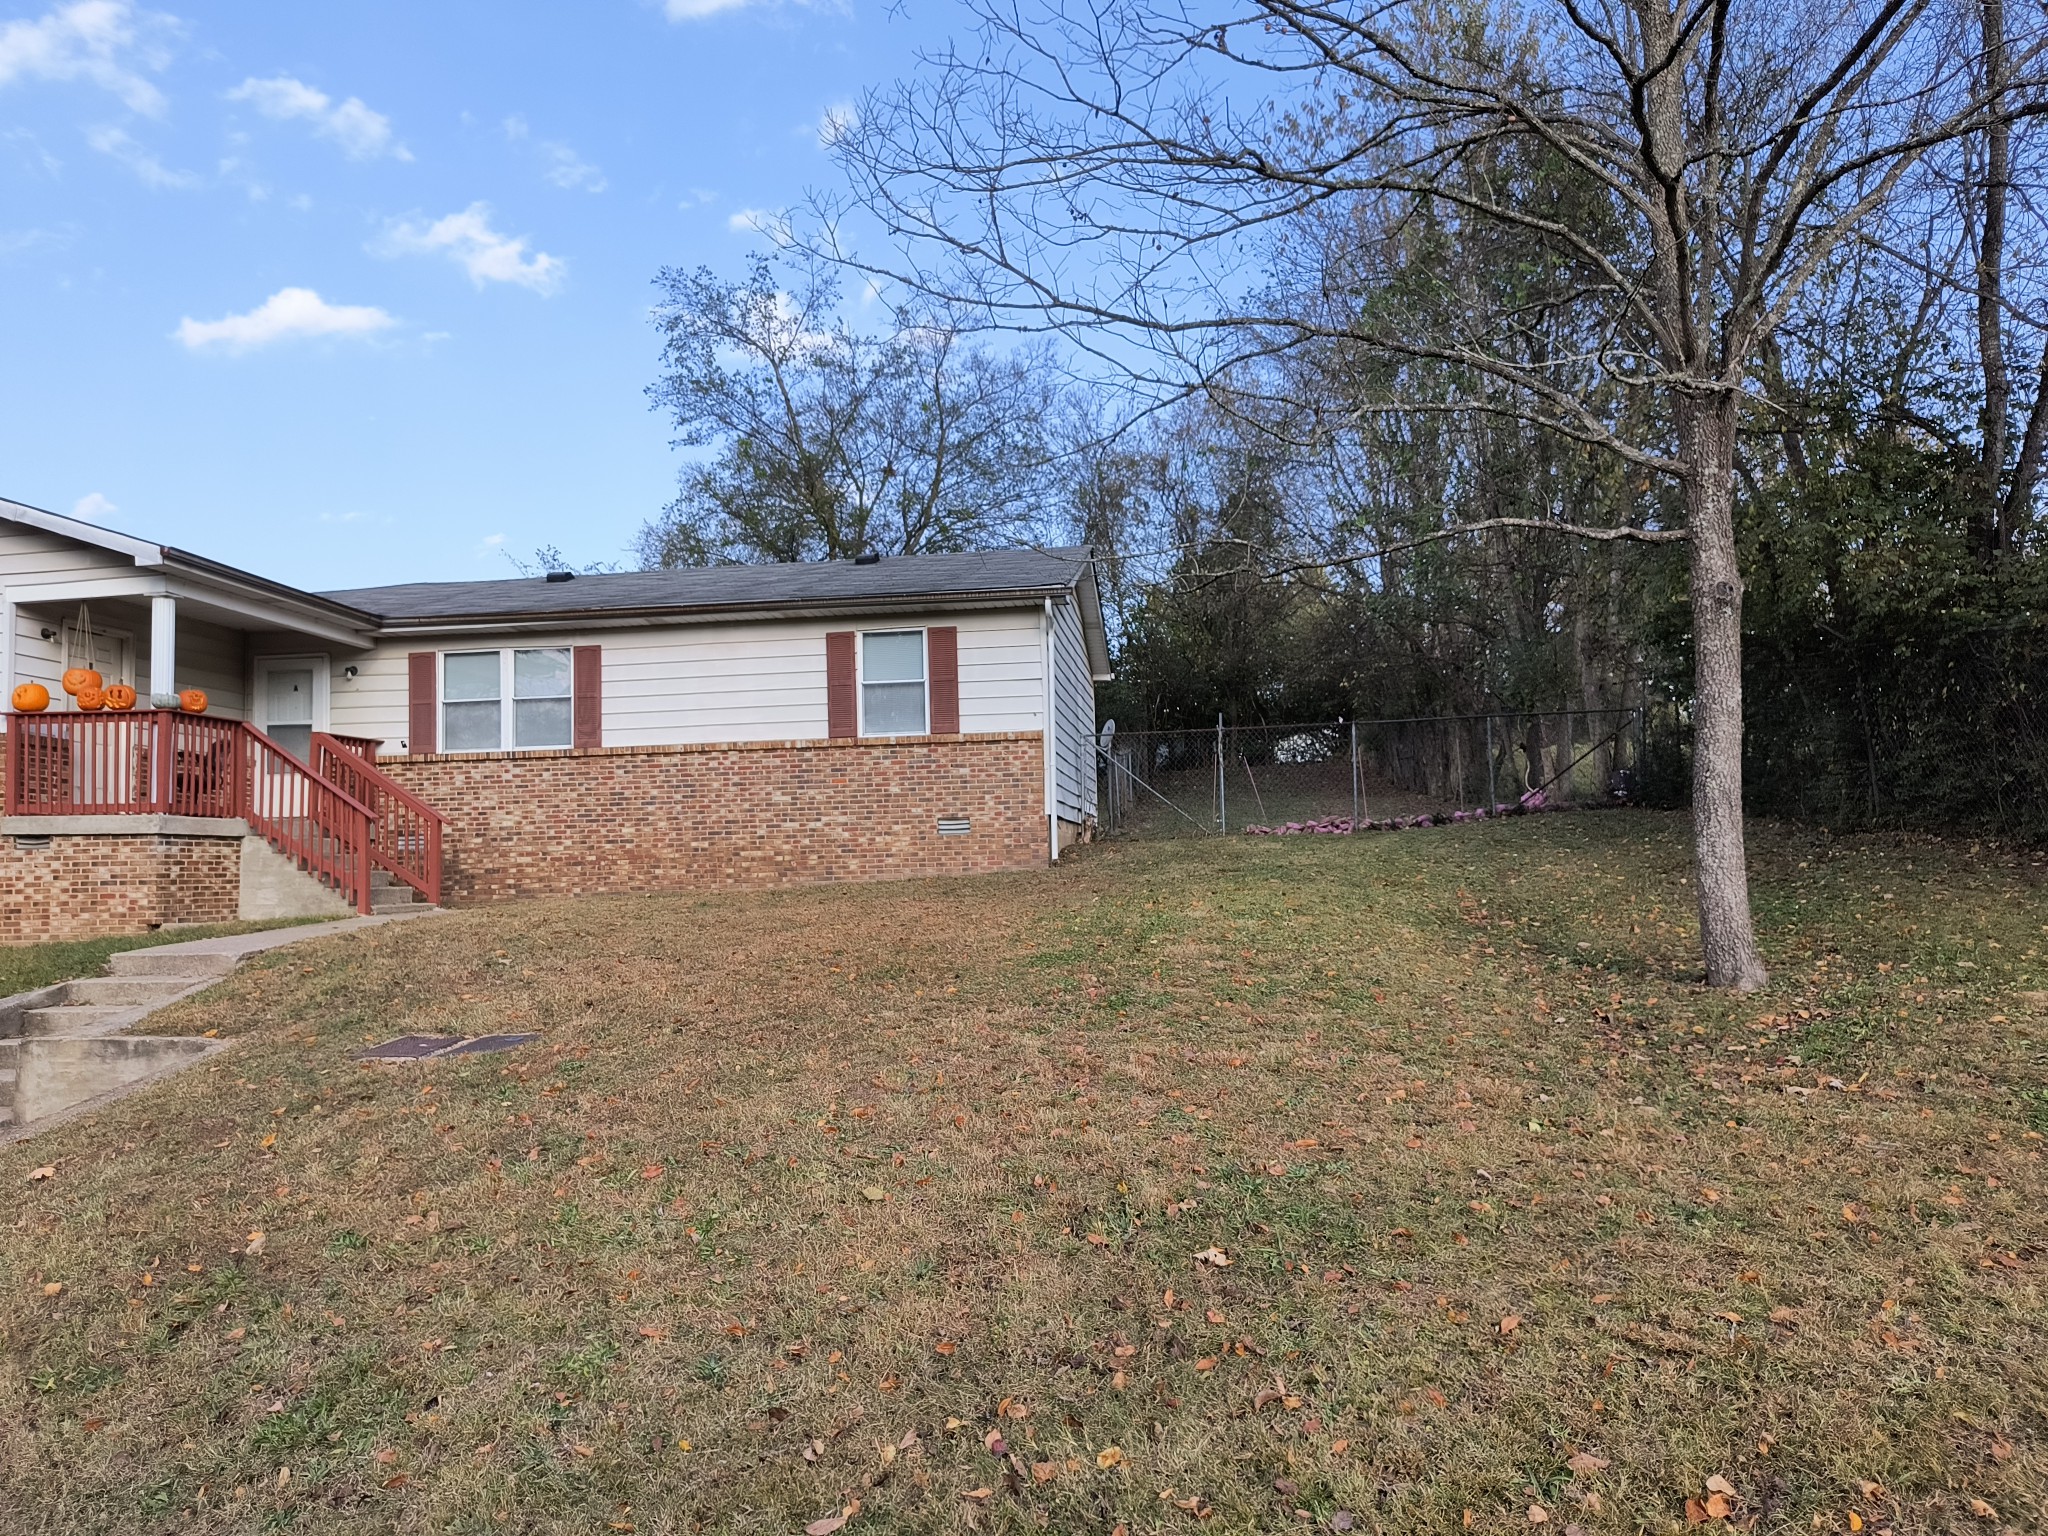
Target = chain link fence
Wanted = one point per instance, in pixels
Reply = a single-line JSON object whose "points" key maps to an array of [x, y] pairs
{"points": [[1356, 775]]}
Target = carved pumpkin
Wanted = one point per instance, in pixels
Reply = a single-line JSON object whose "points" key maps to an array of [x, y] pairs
{"points": [[80, 677], [91, 697], [31, 698], [119, 696], [193, 701]]}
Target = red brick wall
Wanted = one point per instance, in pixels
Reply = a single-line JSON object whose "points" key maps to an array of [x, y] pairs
{"points": [[92, 886], [730, 816]]}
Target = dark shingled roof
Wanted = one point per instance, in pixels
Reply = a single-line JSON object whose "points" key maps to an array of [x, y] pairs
{"points": [[1019, 573]]}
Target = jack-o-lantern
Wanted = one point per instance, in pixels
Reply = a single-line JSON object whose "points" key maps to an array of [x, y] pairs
{"points": [[193, 701], [78, 678], [119, 696], [91, 697], [31, 698]]}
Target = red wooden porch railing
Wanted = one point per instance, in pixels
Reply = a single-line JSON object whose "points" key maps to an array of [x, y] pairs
{"points": [[406, 831], [165, 762]]}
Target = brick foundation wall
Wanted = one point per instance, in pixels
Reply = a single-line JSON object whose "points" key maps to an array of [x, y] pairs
{"points": [[91, 887], [731, 816]]}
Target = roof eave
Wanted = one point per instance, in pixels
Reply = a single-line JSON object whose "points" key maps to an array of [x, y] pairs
{"points": [[692, 612]]}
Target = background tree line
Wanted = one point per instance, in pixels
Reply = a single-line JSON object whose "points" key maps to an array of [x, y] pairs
{"points": [[1449, 355]]}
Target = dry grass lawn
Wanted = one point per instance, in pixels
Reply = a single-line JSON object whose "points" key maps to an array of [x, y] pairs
{"points": [[1406, 1183]]}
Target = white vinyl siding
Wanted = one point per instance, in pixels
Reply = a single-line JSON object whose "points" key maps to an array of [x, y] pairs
{"points": [[1074, 711], [761, 680]]}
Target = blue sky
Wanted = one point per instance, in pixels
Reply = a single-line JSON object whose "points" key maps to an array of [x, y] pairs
{"points": [[350, 293]]}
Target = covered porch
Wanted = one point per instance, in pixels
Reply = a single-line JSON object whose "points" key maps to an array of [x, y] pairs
{"points": [[260, 653]]}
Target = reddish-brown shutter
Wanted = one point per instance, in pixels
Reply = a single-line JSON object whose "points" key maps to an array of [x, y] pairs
{"points": [[420, 667], [942, 655], [587, 709], [842, 706]]}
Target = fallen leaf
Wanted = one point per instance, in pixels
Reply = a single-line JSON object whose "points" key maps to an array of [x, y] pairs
{"points": [[47, 1171], [1097, 1240], [1719, 1484], [1108, 1456], [54, 1288], [1538, 1514], [826, 1526], [1586, 1461], [873, 1192], [1510, 1323], [944, 1347], [1719, 1505], [1982, 1510], [1855, 1521], [978, 1495], [1044, 1471], [1213, 1256], [256, 1242]]}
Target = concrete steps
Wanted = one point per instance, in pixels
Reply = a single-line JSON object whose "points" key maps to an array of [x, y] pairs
{"points": [[62, 1048], [78, 1019], [388, 895]]}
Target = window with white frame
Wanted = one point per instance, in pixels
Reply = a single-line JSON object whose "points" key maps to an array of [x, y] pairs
{"points": [[892, 683], [476, 687]]}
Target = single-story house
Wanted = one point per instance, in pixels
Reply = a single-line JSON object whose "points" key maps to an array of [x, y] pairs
{"points": [[735, 726]]}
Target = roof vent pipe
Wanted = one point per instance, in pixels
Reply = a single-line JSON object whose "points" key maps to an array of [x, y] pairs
{"points": [[867, 557], [561, 576]]}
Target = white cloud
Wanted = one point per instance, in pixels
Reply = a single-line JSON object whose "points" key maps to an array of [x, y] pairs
{"points": [[287, 314], [33, 156], [569, 170], [106, 42], [361, 133], [697, 10], [14, 241], [560, 165], [92, 507], [487, 256], [121, 145], [761, 221]]}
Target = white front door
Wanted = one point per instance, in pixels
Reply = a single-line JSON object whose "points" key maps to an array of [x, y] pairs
{"points": [[291, 701]]}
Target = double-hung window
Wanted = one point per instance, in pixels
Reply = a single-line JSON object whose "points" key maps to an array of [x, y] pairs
{"points": [[478, 686], [892, 683]]}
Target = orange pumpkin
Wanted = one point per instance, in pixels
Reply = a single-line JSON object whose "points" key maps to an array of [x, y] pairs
{"points": [[91, 697], [119, 696], [79, 678], [31, 698], [193, 701]]}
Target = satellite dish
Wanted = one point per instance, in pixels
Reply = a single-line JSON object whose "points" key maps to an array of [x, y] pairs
{"points": [[1106, 737]]}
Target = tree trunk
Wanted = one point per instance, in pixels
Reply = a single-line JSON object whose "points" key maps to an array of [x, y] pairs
{"points": [[1721, 870]]}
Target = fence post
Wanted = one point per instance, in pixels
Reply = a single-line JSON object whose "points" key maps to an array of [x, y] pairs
{"points": [[1354, 778], [1222, 775], [1492, 796]]}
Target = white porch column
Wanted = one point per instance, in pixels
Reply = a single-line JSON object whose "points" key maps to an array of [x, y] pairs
{"points": [[163, 652]]}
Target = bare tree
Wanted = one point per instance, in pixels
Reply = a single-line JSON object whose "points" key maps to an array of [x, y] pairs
{"points": [[825, 442], [1116, 169]]}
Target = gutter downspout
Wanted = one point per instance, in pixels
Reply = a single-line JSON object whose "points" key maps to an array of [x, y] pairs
{"points": [[1050, 741]]}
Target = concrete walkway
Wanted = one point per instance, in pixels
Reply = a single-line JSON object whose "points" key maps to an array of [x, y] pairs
{"points": [[240, 946]]}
